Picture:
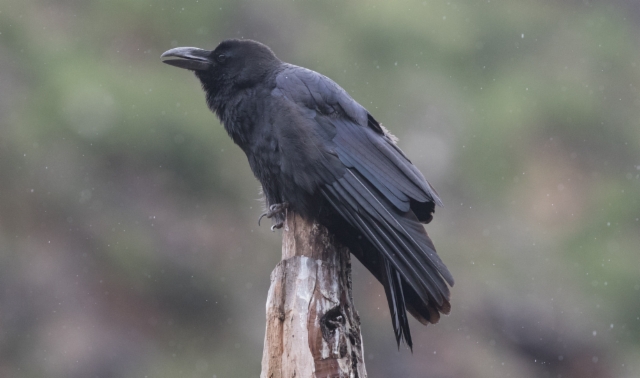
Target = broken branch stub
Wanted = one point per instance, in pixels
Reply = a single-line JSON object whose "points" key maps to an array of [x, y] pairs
{"points": [[313, 329]]}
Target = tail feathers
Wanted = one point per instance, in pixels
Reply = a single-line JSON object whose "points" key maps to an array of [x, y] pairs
{"points": [[425, 313], [392, 284], [402, 299]]}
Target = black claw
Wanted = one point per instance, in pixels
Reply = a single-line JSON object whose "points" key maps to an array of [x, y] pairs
{"points": [[274, 210]]}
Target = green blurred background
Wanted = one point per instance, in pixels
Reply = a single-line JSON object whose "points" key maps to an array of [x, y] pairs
{"points": [[129, 244]]}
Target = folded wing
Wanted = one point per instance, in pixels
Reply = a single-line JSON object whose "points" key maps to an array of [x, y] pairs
{"points": [[379, 195]]}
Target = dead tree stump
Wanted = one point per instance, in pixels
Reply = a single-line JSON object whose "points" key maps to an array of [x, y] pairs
{"points": [[313, 329]]}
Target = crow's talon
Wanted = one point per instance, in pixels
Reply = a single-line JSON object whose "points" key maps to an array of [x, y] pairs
{"points": [[278, 208], [275, 209], [261, 216]]}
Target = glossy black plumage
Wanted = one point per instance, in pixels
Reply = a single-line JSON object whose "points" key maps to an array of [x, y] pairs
{"points": [[311, 145]]}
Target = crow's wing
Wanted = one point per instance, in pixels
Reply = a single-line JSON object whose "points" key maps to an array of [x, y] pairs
{"points": [[375, 193]]}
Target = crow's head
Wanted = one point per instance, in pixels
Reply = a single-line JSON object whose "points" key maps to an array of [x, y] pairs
{"points": [[234, 64]]}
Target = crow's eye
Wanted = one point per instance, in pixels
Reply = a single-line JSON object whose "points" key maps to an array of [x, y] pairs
{"points": [[221, 58]]}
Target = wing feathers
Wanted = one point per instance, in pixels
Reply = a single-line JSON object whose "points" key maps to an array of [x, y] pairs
{"points": [[392, 235], [408, 231], [410, 171], [352, 143], [379, 193], [399, 199]]}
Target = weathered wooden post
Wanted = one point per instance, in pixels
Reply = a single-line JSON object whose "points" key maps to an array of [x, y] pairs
{"points": [[313, 329]]}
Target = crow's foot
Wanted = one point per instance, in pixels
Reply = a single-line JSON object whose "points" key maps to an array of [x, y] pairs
{"points": [[274, 210]]}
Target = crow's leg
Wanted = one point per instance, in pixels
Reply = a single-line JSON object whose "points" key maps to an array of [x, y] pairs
{"points": [[276, 210]]}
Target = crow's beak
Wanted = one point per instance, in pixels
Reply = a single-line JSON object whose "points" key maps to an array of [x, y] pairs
{"points": [[190, 58]]}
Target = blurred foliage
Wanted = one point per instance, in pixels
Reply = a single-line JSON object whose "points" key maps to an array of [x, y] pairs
{"points": [[128, 237]]}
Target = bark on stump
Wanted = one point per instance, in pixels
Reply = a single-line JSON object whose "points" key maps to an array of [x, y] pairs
{"points": [[313, 329]]}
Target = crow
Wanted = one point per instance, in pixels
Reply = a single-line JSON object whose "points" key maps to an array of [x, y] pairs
{"points": [[319, 153]]}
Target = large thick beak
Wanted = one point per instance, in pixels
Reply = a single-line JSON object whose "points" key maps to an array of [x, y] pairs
{"points": [[190, 58]]}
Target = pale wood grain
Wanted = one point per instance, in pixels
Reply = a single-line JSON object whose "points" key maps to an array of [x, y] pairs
{"points": [[313, 329]]}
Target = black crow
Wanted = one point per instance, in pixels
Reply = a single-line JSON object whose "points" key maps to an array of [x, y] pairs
{"points": [[318, 152]]}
